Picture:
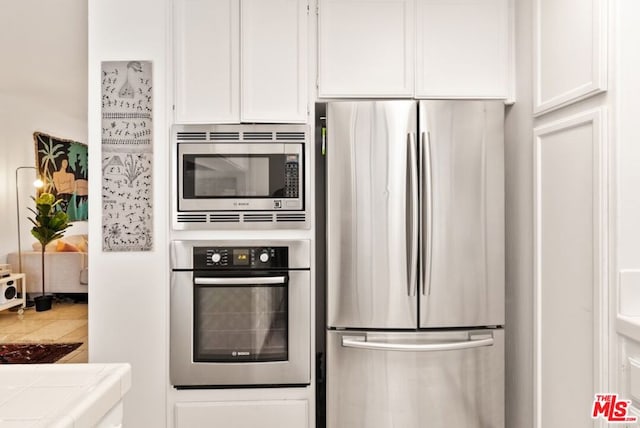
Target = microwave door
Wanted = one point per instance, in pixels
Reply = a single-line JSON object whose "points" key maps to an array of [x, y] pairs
{"points": [[224, 176], [372, 214], [462, 269], [240, 177]]}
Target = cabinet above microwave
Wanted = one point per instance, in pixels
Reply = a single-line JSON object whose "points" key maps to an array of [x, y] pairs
{"points": [[240, 177], [240, 61]]}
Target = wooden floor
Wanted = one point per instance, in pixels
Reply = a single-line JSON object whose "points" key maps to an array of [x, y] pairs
{"points": [[66, 322]]}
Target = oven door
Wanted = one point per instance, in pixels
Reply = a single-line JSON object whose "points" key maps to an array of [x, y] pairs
{"points": [[232, 177], [240, 331]]}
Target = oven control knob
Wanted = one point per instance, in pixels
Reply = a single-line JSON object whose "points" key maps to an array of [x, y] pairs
{"points": [[264, 257], [215, 257]]}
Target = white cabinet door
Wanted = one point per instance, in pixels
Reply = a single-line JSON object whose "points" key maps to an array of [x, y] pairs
{"points": [[570, 303], [366, 48], [239, 414], [207, 61], [569, 51], [461, 48], [274, 60]]}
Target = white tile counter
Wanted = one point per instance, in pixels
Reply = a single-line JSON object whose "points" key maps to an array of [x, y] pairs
{"points": [[628, 326], [62, 395]]}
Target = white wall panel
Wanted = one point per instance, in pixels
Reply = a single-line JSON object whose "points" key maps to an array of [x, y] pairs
{"points": [[627, 204], [519, 229], [43, 87], [570, 61], [128, 291], [569, 279]]}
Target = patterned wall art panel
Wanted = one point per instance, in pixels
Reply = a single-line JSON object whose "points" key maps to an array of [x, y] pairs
{"points": [[63, 167], [127, 152]]}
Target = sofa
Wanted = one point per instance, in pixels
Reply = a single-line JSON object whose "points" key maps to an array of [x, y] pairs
{"points": [[66, 267]]}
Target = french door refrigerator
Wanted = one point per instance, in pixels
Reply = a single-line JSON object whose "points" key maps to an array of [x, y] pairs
{"points": [[415, 264]]}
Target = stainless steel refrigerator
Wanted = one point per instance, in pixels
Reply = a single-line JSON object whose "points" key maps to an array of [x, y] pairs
{"points": [[415, 264]]}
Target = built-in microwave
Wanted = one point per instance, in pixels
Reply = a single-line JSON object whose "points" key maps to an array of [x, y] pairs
{"points": [[240, 176]]}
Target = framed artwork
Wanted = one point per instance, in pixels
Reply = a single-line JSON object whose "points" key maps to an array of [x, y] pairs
{"points": [[127, 153], [63, 167]]}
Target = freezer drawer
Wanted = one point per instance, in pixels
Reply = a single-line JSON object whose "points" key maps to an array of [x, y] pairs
{"points": [[415, 380]]}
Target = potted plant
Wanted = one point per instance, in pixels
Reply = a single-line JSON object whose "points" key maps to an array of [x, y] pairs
{"points": [[48, 225]]}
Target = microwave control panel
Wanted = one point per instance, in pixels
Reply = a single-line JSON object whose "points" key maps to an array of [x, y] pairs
{"points": [[291, 177]]}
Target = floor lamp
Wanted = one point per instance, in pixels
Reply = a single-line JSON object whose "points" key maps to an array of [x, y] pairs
{"points": [[38, 184]]}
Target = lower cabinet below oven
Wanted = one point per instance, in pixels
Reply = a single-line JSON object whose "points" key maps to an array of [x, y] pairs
{"points": [[243, 414]]}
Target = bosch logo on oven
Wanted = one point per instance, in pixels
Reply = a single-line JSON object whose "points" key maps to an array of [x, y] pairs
{"points": [[240, 354]]}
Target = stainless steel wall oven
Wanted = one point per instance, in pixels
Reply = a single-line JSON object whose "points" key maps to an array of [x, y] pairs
{"points": [[240, 313], [240, 176]]}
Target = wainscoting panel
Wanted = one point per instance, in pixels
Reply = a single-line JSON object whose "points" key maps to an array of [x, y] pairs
{"points": [[570, 269], [570, 52]]}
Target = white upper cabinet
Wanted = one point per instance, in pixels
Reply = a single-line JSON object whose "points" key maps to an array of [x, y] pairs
{"points": [[274, 60], [379, 48], [570, 52], [240, 60], [461, 48], [366, 47], [207, 61]]}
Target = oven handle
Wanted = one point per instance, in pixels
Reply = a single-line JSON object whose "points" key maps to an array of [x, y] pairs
{"points": [[259, 280]]}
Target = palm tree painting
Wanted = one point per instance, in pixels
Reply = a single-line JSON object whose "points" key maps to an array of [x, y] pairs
{"points": [[63, 167]]}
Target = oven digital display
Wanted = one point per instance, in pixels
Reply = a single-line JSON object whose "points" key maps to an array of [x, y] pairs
{"points": [[241, 257]]}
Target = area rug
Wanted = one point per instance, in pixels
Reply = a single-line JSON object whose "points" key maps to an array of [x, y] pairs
{"points": [[34, 353]]}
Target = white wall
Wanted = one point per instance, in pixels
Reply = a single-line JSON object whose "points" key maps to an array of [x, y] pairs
{"points": [[519, 230], [43, 87], [628, 171], [629, 137], [520, 207], [128, 292]]}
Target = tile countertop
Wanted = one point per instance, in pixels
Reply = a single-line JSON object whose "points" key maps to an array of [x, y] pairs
{"points": [[628, 326], [61, 395]]}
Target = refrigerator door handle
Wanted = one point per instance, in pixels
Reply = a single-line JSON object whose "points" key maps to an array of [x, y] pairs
{"points": [[428, 251], [362, 343], [414, 212]]}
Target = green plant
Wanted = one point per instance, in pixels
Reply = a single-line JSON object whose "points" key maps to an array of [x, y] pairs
{"points": [[48, 224]]}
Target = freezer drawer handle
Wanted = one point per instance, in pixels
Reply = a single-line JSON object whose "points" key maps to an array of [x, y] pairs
{"points": [[241, 281], [362, 343]]}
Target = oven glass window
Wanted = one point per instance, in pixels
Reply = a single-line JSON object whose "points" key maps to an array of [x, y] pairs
{"points": [[246, 176], [240, 323]]}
